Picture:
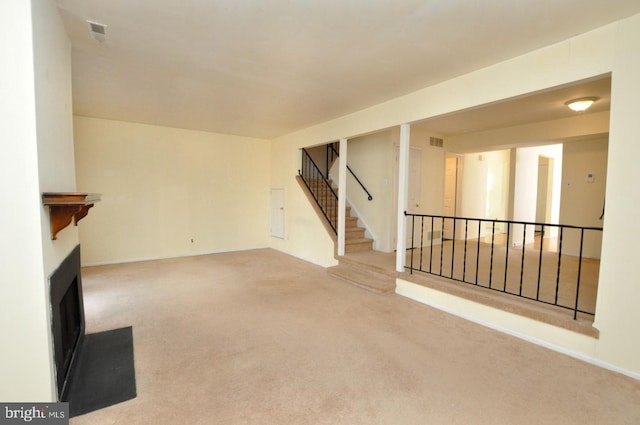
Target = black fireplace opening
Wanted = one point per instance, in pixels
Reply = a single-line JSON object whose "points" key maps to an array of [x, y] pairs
{"points": [[67, 317]]}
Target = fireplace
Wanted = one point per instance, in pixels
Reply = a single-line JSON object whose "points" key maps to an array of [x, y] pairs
{"points": [[67, 317]]}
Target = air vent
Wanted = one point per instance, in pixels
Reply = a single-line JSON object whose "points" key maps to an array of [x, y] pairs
{"points": [[98, 31], [437, 142]]}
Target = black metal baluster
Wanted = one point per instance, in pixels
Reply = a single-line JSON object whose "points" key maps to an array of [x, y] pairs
{"points": [[540, 261], [506, 256], [559, 263], [413, 219], [478, 252], [431, 250], [575, 310], [524, 242], [328, 158], [464, 258], [422, 239], [441, 247], [493, 237], [453, 247]]}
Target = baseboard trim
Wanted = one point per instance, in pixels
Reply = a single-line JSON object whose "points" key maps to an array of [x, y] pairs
{"points": [[195, 254]]}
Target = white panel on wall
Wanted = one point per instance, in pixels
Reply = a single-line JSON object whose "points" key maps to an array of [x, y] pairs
{"points": [[276, 213]]}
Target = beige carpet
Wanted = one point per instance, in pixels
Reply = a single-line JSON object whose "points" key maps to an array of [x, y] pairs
{"points": [[259, 337]]}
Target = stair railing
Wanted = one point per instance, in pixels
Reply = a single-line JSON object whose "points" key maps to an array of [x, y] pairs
{"points": [[481, 252], [320, 189], [332, 153]]}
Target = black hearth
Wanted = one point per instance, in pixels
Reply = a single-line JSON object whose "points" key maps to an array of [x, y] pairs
{"points": [[67, 317], [92, 371]]}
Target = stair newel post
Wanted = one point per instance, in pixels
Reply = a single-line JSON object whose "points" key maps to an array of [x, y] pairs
{"points": [[342, 195]]}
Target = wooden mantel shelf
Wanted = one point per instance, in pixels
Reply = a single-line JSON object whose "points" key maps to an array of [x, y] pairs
{"points": [[64, 206]]}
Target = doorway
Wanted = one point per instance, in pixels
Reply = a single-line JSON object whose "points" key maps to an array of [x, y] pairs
{"points": [[544, 191], [414, 195], [276, 213], [451, 173]]}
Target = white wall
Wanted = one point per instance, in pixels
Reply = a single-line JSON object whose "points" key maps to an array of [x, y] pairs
{"points": [[164, 187], [612, 48], [582, 201], [37, 156]]}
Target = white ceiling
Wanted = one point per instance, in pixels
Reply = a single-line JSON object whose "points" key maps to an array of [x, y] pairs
{"points": [[546, 105], [266, 68]]}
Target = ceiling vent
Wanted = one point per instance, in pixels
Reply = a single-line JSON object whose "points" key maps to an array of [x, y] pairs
{"points": [[436, 141], [98, 31]]}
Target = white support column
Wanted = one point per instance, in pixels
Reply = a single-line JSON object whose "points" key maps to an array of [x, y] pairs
{"points": [[342, 195], [403, 193]]}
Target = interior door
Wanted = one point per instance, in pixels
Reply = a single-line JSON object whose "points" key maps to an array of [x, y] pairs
{"points": [[415, 180], [414, 196], [414, 189], [543, 191], [276, 213], [450, 194]]}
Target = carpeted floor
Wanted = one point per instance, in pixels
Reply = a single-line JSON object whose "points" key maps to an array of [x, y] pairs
{"points": [[258, 337]]}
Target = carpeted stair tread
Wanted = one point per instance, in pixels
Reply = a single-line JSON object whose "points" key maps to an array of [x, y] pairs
{"points": [[367, 266], [367, 279], [358, 244]]}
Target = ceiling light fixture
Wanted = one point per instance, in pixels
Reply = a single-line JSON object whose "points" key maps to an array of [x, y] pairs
{"points": [[581, 104]]}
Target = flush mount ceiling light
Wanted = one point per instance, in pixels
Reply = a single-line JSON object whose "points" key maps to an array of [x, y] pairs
{"points": [[581, 104]]}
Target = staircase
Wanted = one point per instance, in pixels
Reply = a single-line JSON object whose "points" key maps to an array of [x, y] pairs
{"points": [[324, 199], [354, 238]]}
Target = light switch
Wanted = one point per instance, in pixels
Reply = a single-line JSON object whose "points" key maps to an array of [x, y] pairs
{"points": [[589, 177]]}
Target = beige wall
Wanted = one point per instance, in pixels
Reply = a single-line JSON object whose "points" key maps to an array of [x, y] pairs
{"points": [[54, 123], [582, 201], [608, 49], [164, 187], [37, 156], [305, 234], [533, 134], [617, 312]]}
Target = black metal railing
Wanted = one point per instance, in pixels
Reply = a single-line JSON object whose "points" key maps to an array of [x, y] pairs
{"points": [[320, 189], [548, 266], [332, 153]]}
